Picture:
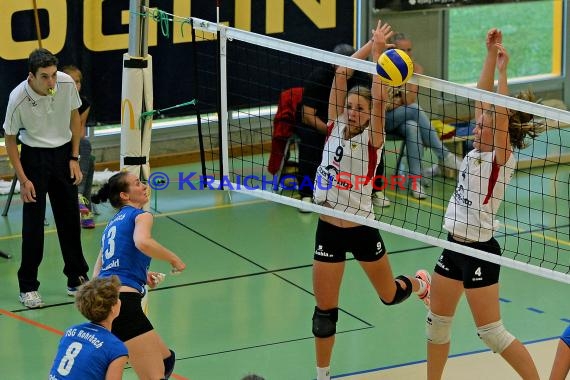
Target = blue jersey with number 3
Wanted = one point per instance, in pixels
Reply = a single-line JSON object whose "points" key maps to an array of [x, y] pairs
{"points": [[120, 256], [85, 353]]}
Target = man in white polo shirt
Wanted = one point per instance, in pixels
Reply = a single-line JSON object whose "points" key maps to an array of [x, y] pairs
{"points": [[43, 110]]}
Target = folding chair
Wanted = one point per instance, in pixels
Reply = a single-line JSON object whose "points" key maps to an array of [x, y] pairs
{"points": [[283, 138], [6, 208], [10, 195], [288, 161]]}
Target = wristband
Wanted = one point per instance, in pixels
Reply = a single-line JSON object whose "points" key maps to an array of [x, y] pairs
{"points": [[73, 158]]}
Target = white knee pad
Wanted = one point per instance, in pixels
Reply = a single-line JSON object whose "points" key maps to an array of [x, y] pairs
{"points": [[495, 336], [438, 328]]}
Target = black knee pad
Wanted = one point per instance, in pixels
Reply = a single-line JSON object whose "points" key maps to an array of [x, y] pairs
{"points": [[169, 364], [401, 293], [324, 322]]}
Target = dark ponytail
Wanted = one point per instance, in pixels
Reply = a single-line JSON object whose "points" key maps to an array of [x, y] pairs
{"points": [[102, 195], [111, 191]]}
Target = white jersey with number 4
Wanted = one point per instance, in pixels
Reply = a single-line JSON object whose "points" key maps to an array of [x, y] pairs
{"points": [[478, 195], [344, 177]]}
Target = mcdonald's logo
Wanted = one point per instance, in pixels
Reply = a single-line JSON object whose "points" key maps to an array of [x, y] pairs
{"points": [[126, 103]]}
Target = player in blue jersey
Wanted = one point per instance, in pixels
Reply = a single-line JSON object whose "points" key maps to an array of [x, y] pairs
{"points": [[127, 247], [89, 351]]}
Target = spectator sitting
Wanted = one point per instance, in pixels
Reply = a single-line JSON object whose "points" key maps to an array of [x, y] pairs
{"points": [[404, 117]]}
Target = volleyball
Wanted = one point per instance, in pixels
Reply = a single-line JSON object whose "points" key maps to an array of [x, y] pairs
{"points": [[395, 67]]}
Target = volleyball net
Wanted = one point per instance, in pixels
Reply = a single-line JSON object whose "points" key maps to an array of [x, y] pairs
{"points": [[247, 151]]}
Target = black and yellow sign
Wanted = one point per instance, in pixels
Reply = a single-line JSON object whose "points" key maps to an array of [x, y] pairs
{"points": [[94, 35]]}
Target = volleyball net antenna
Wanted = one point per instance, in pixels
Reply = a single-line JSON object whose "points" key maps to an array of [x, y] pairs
{"points": [[252, 72]]}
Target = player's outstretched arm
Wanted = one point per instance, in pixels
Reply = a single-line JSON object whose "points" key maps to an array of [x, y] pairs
{"points": [[379, 90], [150, 247], [487, 76], [501, 138]]}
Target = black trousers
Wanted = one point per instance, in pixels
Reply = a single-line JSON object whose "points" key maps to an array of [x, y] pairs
{"points": [[87, 166], [311, 144], [48, 169]]}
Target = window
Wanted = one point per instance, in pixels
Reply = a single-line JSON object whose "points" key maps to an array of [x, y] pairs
{"points": [[532, 33]]}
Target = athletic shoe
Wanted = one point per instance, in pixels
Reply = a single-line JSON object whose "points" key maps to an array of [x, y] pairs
{"points": [[87, 220], [379, 199], [31, 300], [71, 290], [426, 182], [306, 200], [451, 161], [432, 171], [85, 214], [82, 201], [419, 192], [423, 275]]}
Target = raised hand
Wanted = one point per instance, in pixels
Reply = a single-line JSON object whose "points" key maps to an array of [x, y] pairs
{"points": [[494, 37], [502, 57], [379, 37]]}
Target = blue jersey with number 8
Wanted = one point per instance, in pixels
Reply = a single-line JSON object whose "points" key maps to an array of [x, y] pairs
{"points": [[85, 353]]}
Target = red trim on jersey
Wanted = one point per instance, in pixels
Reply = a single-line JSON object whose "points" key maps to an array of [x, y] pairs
{"points": [[330, 127], [492, 180], [372, 159]]}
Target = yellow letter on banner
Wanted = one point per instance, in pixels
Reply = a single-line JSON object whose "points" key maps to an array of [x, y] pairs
{"points": [[242, 14], [274, 16], [93, 35], [183, 9], [322, 13], [54, 42]]}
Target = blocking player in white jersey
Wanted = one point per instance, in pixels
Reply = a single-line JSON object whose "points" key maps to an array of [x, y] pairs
{"points": [[470, 221], [343, 182]]}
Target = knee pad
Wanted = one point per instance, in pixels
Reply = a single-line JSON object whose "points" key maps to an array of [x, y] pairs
{"points": [[169, 364], [401, 293], [495, 336], [438, 328], [324, 322]]}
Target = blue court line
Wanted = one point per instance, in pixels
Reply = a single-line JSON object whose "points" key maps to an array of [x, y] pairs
{"points": [[535, 310], [504, 300], [424, 361]]}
